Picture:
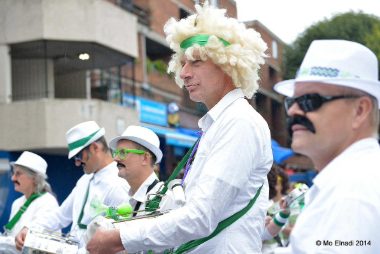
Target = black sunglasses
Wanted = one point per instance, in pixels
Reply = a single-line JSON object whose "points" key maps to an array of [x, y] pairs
{"points": [[312, 102], [79, 156]]}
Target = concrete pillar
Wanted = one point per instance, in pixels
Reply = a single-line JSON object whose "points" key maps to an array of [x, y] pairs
{"points": [[5, 75]]}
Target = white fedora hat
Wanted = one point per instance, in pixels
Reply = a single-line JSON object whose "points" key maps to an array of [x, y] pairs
{"points": [[33, 162], [143, 136], [337, 62], [82, 135]]}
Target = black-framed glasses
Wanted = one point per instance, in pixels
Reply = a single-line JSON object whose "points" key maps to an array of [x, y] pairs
{"points": [[123, 152], [313, 101]]}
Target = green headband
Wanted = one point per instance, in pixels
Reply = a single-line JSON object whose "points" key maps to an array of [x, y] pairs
{"points": [[81, 142], [200, 39]]}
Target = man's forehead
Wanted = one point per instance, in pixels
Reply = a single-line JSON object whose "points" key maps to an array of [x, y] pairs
{"points": [[194, 55], [17, 168], [316, 87], [124, 142]]}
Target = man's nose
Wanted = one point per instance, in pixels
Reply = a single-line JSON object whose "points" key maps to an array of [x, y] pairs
{"points": [[295, 109], [185, 71], [78, 163]]}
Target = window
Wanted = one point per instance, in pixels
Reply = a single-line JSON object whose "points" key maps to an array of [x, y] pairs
{"points": [[274, 50]]}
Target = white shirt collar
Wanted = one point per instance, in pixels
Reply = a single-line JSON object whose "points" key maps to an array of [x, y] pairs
{"points": [[206, 121], [332, 171], [104, 172], [140, 194]]}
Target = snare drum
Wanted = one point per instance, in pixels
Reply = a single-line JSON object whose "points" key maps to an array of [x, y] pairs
{"points": [[48, 243], [7, 245]]}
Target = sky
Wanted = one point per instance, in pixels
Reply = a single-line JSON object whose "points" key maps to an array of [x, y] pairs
{"points": [[287, 19]]}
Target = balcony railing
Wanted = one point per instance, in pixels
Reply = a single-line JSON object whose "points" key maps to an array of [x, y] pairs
{"points": [[143, 15]]}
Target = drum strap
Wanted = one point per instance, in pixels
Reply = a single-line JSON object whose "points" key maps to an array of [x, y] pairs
{"points": [[221, 225], [138, 204], [153, 204], [80, 225], [22, 209]]}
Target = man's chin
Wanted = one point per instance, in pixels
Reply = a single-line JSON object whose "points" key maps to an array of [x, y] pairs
{"points": [[194, 96], [300, 143], [86, 171]]}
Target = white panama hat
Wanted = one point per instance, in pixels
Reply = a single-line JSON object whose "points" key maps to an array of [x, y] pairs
{"points": [[82, 135], [33, 162], [337, 62], [143, 136]]}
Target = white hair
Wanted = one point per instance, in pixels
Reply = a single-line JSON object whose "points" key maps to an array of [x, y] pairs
{"points": [[238, 50], [41, 184]]}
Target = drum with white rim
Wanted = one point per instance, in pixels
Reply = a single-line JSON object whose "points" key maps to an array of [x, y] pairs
{"points": [[37, 242]]}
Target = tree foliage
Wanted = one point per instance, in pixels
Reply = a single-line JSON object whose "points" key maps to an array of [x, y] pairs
{"points": [[158, 65], [352, 26]]}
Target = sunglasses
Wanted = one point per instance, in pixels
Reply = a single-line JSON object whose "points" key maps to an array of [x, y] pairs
{"points": [[312, 102], [123, 152], [79, 156]]}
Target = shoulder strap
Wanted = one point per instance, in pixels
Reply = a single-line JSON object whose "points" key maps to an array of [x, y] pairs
{"points": [[79, 222], [153, 204], [22, 209], [138, 204], [222, 225]]}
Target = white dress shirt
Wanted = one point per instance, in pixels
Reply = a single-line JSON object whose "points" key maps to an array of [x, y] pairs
{"points": [[343, 205], [43, 205], [232, 161], [106, 186]]}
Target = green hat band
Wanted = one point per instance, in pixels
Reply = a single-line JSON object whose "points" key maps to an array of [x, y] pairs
{"points": [[200, 39], [81, 142]]}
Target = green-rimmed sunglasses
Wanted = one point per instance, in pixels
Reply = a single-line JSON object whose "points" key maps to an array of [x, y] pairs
{"points": [[122, 152]]}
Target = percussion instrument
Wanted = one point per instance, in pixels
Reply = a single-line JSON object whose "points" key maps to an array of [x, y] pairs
{"points": [[7, 244], [40, 242], [297, 193]]}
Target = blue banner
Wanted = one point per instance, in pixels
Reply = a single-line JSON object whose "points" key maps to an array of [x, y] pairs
{"points": [[153, 112]]}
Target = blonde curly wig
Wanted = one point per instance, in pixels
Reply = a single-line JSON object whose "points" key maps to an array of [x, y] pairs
{"points": [[237, 50]]}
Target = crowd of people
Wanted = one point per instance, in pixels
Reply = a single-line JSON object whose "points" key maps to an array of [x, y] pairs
{"points": [[236, 200]]}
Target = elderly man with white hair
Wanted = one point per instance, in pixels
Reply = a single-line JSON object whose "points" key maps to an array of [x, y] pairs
{"points": [[217, 60], [29, 178]]}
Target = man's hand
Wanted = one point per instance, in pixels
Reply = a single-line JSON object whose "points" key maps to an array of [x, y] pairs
{"points": [[20, 238], [105, 242], [267, 220], [284, 206]]}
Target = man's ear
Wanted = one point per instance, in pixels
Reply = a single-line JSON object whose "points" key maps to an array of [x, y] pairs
{"points": [[147, 158], [95, 147], [363, 109]]}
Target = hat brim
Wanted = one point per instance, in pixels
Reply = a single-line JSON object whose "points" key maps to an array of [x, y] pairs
{"points": [[371, 87], [157, 152], [98, 135], [13, 163]]}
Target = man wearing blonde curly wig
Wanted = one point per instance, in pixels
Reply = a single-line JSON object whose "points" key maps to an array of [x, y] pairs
{"points": [[217, 60]]}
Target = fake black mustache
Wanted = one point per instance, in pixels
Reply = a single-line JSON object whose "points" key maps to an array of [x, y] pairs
{"points": [[290, 121], [120, 165]]}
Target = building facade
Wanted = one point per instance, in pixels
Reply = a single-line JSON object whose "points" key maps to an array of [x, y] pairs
{"points": [[65, 62]]}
